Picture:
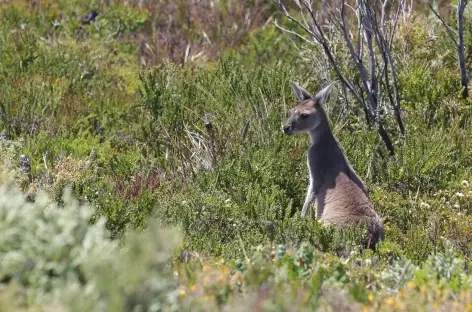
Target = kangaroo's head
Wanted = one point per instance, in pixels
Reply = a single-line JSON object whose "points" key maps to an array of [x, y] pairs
{"points": [[309, 114]]}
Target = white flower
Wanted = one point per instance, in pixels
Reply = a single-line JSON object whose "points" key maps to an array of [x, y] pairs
{"points": [[424, 205]]}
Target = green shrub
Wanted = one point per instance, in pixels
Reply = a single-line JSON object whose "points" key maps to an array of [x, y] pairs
{"points": [[56, 257]]}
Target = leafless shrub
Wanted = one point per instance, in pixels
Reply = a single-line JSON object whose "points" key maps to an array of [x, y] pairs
{"points": [[368, 28]]}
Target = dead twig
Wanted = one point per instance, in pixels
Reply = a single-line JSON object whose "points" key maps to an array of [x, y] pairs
{"points": [[211, 136]]}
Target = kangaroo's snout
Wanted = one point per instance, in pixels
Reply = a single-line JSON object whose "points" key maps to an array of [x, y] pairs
{"points": [[288, 129]]}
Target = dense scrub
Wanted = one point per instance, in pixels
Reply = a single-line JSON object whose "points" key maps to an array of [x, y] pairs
{"points": [[145, 120]]}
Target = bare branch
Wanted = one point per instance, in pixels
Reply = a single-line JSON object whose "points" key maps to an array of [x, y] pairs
{"points": [[292, 32], [330, 56], [303, 15], [368, 31], [452, 33], [384, 49], [458, 38], [285, 11], [358, 61], [460, 49], [382, 18], [401, 5]]}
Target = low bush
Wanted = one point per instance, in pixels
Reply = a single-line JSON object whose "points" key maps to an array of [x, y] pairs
{"points": [[52, 258]]}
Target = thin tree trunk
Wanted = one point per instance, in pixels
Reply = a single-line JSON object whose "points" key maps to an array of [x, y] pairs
{"points": [[460, 48], [386, 139]]}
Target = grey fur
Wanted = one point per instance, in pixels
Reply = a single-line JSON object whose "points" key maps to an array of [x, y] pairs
{"points": [[340, 195], [300, 93]]}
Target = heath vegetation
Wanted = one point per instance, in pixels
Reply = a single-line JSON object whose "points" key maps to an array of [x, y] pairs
{"points": [[143, 166]]}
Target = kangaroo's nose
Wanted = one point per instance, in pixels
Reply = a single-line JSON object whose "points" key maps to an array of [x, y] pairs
{"points": [[288, 129]]}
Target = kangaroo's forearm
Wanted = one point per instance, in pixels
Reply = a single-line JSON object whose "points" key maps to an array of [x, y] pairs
{"points": [[310, 197]]}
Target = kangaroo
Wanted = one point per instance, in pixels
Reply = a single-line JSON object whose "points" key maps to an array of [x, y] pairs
{"points": [[339, 194]]}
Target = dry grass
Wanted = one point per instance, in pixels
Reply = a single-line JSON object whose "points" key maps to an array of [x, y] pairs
{"points": [[200, 30], [185, 31]]}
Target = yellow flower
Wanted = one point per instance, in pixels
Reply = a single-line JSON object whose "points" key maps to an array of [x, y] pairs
{"points": [[225, 271], [469, 307], [411, 284], [182, 292], [365, 309], [370, 297], [390, 301], [193, 287]]}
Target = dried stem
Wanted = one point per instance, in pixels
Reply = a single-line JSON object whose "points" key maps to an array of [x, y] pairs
{"points": [[211, 135]]}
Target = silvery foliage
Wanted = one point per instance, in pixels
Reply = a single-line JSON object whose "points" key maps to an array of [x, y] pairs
{"points": [[57, 257], [397, 274], [446, 266]]}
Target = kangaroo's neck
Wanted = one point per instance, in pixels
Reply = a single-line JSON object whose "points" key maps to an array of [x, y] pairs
{"points": [[322, 134], [324, 151]]}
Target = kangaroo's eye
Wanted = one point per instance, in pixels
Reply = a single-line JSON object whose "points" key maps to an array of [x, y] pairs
{"points": [[304, 115]]}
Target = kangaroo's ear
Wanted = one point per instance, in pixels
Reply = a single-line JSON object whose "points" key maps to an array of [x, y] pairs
{"points": [[300, 93], [321, 97]]}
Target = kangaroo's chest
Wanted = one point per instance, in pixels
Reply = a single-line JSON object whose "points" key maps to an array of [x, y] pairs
{"points": [[340, 188], [335, 185], [324, 169]]}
